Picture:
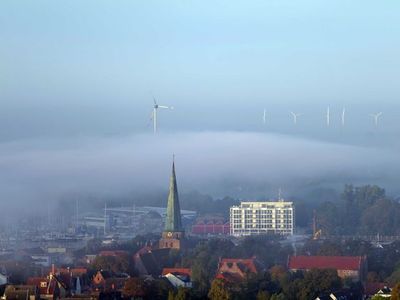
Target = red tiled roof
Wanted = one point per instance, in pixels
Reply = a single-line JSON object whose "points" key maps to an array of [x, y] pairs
{"points": [[229, 277], [182, 271], [73, 271], [113, 253], [249, 263], [37, 281], [325, 262], [372, 288]]}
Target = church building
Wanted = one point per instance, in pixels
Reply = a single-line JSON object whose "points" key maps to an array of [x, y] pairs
{"points": [[173, 235]]}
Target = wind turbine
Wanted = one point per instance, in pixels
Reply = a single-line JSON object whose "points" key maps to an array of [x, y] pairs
{"points": [[265, 116], [376, 117], [343, 115], [295, 116], [328, 116], [154, 113]]}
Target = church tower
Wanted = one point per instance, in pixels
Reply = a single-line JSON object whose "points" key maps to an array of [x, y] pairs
{"points": [[173, 234]]}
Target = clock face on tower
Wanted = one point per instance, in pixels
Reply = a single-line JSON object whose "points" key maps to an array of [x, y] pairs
{"points": [[169, 234]]}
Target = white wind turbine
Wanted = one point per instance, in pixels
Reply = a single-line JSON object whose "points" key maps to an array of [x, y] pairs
{"points": [[154, 113], [295, 116], [265, 116], [328, 116], [376, 117], [343, 115]]}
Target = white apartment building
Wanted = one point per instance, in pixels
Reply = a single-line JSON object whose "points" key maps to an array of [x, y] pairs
{"points": [[251, 218]]}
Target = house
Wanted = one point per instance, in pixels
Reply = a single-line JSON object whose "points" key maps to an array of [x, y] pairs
{"points": [[113, 253], [76, 278], [345, 294], [108, 281], [89, 258], [178, 277], [236, 269], [3, 279], [21, 292], [384, 292], [353, 267], [372, 288], [51, 287]]}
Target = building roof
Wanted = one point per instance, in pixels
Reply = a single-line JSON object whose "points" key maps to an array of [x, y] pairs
{"points": [[245, 265], [173, 221], [113, 253], [74, 271], [180, 271], [325, 262], [40, 282], [371, 288]]}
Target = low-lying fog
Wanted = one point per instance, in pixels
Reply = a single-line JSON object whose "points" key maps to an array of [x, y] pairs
{"points": [[239, 164]]}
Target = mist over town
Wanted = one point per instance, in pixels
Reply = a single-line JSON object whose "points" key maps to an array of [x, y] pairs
{"points": [[199, 150]]}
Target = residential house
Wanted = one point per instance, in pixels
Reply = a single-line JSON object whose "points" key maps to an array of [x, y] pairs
{"points": [[3, 279], [108, 281], [21, 292], [178, 277], [236, 269], [51, 287], [345, 294], [113, 253], [353, 267]]}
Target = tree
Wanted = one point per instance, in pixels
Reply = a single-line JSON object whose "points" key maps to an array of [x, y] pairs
{"points": [[263, 295], [278, 297], [134, 287], [183, 294], [219, 291], [316, 282], [159, 289], [330, 248], [171, 295], [110, 263], [396, 292], [378, 297]]}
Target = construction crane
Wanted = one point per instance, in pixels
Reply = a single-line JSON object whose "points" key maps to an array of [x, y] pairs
{"points": [[316, 232]]}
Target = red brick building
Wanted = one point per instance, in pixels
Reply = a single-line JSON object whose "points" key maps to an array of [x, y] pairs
{"points": [[354, 267]]}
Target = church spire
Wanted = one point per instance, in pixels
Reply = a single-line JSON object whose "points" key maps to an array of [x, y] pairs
{"points": [[173, 223]]}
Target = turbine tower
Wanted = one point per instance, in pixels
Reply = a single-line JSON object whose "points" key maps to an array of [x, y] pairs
{"points": [[295, 116], [265, 116], [376, 117], [328, 116], [343, 115], [154, 113]]}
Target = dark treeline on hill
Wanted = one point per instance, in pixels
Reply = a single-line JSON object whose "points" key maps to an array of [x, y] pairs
{"points": [[364, 210]]}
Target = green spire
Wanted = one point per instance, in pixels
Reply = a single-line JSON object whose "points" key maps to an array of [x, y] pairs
{"points": [[173, 222]]}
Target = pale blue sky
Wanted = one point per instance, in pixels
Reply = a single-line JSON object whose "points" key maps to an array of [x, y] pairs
{"points": [[90, 67]]}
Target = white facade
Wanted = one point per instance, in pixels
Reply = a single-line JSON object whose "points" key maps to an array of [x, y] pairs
{"points": [[251, 218]]}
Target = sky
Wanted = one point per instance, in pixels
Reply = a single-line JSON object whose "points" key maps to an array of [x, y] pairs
{"points": [[77, 81], [92, 67]]}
